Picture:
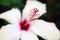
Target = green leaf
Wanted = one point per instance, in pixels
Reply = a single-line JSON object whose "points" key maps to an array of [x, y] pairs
{"points": [[5, 2], [10, 2], [13, 3]]}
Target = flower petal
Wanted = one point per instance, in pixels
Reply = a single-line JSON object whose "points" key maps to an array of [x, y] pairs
{"points": [[30, 5], [10, 32], [28, 36], [12, 16], [45, 29]]}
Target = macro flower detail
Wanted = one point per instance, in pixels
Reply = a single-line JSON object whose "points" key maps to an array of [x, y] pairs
{"points": [[24, 25], [27, 26]]}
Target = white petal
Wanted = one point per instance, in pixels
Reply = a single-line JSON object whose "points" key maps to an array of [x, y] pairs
{"points": [[45, 29], [30, 5], [10, 32], [12, 16], [28, 36]]}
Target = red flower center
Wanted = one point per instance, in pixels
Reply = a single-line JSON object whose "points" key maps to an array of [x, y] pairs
{"points": [[24, 25]]}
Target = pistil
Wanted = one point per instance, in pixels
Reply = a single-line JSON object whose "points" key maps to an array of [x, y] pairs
{"points": [[34, 13], [24, 24]]}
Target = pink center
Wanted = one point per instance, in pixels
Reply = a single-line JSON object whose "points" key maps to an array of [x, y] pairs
{"points": [[24, 25]]}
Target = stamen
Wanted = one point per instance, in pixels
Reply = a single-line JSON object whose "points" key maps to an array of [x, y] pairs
{"points": [[34, 13], [24, 25]]}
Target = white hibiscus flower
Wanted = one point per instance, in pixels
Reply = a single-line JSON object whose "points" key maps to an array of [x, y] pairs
{"points": [[27, 26]]}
